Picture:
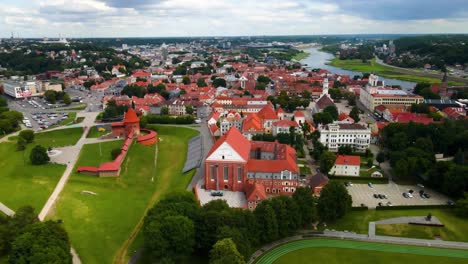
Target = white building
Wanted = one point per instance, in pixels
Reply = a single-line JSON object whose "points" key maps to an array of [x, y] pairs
{"points": [[346, 165], [21, 89], [375, 93], [336, 135]]}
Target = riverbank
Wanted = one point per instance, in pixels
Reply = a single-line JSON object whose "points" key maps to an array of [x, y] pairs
{"points": [[304, 54], [386, 71]]}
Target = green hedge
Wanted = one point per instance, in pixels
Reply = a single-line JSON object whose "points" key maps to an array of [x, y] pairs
{"points": [[399, 207], [360, 208]]}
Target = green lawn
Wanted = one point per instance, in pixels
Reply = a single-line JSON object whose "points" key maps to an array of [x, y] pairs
{"points": [[455, 228], [385, 71], [22, 183], [345, 251], [99, 226], [301, 56], [58, 138], [413, 231], [94, 133]]}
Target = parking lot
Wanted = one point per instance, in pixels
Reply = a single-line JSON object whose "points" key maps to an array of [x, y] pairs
{"points": [[363, 194], [44, 120]]}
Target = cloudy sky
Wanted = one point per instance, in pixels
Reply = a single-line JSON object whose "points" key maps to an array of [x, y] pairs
{"points": [[154, 18]]}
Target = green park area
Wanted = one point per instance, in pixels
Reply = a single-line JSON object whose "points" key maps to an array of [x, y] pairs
{"points": [[346, 251], [95, 132], [455, 228], [100, 225], [22, 183], [385, 71]]}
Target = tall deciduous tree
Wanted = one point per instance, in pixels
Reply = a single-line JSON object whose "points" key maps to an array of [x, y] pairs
{"points": [[27, 135], [354, 114], [225, 252], [332, 110], [39, 155], [334, 202], [266, 222], [327, 160], [307, 205]]}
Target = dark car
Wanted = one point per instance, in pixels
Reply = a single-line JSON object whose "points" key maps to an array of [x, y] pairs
{"points": [[380, 204], [381, 196], [426, 195], [421, 192], [376, 195], [411, 191], [217, 193]]}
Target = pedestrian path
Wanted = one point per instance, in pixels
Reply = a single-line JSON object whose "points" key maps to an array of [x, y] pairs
{"points": [[6, 210]]}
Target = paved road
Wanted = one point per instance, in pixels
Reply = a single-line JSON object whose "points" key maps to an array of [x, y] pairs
{"points": [[6, 210], [207, 143]]}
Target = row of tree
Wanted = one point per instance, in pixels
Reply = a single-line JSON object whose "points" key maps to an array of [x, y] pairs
{"points": [[411, 150], [53, 96], [24, 239], [178, 226], [9, 121]]}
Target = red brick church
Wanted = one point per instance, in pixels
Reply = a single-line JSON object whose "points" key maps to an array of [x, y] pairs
{"points": [[258, 168]]}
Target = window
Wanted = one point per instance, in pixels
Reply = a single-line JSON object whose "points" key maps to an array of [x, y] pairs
{"points": [[225, 173], [239, 174], [212, 172]]}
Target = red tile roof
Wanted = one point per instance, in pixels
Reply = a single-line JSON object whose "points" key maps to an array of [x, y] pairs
{"points": [[348, 160], [131, 117], [255, 192], [285, 123], [236, 140], [267, 112]]}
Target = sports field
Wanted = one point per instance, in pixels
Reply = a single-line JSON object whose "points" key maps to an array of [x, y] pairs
{"points": [[346, 251]]}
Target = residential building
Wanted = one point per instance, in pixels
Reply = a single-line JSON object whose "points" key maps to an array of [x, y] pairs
{"points": [[336, 135], [346, 165]]}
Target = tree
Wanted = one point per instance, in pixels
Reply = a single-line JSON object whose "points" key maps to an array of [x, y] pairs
{"points": [[14, 226], [380, 157], [171, 238], [327, 161], [201, 82], [263, 79], [354, 114], [225, 252], [334, 202], [42, 242], [21, 144], [332, 110], [322, 118], [39, 155], [306, 202], [239, 235], [335, 93], [27, 135], [462, 206], [186, 80], [66, 99], [266, 222], [345, 150], [189, 109], [219, 82], [164, 110], [370, 163], [49, 95]]}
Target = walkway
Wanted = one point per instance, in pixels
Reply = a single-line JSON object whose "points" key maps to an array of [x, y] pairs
{"points": [[207, 143], [6, 210]]}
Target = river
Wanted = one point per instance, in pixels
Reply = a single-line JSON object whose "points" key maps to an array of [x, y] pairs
{"points": [[319, 59]]}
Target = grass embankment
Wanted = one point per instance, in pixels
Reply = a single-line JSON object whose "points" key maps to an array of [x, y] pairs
{"points": [[22, 183], [455, 228], [385, 71], [301, 55], [108, 219], [346, 251]]}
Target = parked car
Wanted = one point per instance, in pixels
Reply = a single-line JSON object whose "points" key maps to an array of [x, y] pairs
{"points": [[370, 185], [381, 196], [376, 196], [217, 193]]}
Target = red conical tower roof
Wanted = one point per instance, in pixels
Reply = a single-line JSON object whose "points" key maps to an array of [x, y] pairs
{"points": [[131, 117]]}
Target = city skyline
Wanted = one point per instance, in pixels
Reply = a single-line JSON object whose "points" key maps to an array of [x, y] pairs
{"points": [[178, 18]]}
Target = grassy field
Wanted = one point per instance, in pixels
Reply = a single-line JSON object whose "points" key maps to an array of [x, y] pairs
{"points": [[346, 251], [107, 220], [22, 183], [407, 230], [58, 138], [301, 56], [455, 228], [95, 133], [373, 66]]}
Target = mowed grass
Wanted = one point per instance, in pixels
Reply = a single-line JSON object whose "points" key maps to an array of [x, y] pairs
{"points": [[22, 183], [407, 230], [455, 229], [95, 133], [58, 138], [99, 225], [373, 66], [333, 251]]}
